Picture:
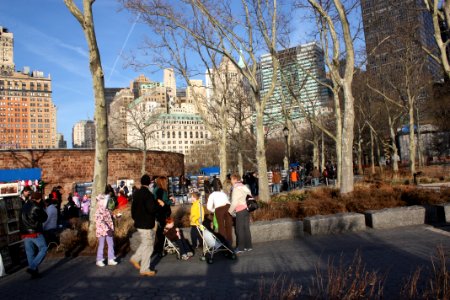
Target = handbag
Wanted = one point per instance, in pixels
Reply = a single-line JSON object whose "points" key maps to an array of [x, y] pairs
{"points": [[252, 205]]}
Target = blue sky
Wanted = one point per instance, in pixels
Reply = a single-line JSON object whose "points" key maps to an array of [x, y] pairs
{"points": [[48, 38]]}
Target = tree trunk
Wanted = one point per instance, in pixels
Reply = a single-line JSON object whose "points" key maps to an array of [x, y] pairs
{"points": [[261, 155], [412, 142], [394, 156], [316, 159], [372, 153], [144, 161], [338, 140], [223, 154], [100, 116], [346, 184], [360, 162], [322, 160]]}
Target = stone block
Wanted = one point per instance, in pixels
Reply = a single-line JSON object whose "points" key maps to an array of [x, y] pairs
{"points": [[395, 217], [280, 229], [334, 223], [443, 212]]}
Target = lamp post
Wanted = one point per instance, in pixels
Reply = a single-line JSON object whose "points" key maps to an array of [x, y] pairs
{"points": [[286, 156]]}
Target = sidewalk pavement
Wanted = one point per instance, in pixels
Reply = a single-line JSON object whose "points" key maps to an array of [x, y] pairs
{"points": [[394, 253]]}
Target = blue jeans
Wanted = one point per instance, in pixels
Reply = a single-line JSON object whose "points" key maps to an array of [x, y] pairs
{"points": [[276, 188], [30, 244]]}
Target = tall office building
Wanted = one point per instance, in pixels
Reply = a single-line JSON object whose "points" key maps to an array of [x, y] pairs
{"points": [[27, 112], [83, 134], [62, 143], [392, 25], [298, 90]]}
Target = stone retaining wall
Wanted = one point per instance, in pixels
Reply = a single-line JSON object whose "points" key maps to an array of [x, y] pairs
{"points": [[395, 217], [334, 223]]}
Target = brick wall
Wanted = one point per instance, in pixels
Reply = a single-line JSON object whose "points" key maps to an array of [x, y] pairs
{"points": [[66, 167]]}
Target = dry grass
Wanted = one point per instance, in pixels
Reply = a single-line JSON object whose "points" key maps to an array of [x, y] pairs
{"points": [[279, 288], [351, 281], [434, 286], [299, 204]]}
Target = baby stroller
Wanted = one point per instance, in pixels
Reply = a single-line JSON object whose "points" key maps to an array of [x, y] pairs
{"points": [[171, 248], [212, 245]]}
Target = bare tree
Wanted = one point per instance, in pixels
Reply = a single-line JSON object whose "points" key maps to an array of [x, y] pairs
{"points": [[255, 30], [441, 19], [143, 122], [341, 72], [405, 87], [86, 21]]}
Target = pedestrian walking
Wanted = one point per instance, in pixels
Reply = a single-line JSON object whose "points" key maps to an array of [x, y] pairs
{"points": [[32, 217], [104, 231], [143, 212]]}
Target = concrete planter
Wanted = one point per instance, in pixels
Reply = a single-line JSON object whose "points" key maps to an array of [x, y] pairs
{"points": [[443, 212], [337, 223], [395, 217]]}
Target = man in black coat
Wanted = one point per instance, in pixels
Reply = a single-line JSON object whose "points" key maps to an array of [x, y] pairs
{"points": [[32, 217], [143, 212]]}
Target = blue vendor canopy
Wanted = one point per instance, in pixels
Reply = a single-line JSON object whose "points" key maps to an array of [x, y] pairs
{"points": [[210, 171], [12, 175]]}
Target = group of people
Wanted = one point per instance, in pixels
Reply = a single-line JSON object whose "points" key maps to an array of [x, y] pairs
{"points": [[151, 213], [302, 175]]}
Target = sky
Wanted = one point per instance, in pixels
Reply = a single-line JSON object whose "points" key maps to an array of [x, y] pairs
{"points": [[48, 38]]}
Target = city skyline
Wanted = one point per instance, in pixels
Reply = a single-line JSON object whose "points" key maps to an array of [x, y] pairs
{"points": [[47, 38]]}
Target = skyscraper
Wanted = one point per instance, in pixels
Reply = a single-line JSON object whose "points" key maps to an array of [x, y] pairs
{"points": [[27, 112], [83, 134], [298, 89], [391, 26]]}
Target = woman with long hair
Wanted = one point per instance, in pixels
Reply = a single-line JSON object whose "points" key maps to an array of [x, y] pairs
{"points": [[161, 192]]}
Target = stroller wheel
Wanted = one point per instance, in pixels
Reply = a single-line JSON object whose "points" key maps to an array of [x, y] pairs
{"points": [[202, 258], [233, 256], [209, 261]]}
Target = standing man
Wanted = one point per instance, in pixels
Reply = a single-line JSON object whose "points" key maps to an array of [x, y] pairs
{"points": [[26, 193], [143, 212], [31, 218], [276, 181]]}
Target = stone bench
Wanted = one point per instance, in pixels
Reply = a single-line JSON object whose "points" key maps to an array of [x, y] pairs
{"points": [[395, 217], [334, 223]]}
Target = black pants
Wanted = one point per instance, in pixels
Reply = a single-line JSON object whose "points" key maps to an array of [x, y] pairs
{"points": [[243, 235], [196, 239], [182, 245]]}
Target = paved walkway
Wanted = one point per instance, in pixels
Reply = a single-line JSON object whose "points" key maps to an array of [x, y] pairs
{"points": [[395, 253]]}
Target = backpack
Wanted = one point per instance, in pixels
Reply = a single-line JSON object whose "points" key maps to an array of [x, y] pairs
{"points": [[112, 203]]}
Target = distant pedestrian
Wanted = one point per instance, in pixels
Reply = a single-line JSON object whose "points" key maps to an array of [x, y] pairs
{"points": [[32, 217], [143, 212], [276, 181], [104, 231], [161, 193], [85, 206], [315, 174]]}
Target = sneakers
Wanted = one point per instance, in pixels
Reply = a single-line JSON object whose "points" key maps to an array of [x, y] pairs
{"points": [[148, 273], [112, 262], [185, 257], [100, 263], [248, 250], [190, 254], [237, 251], [135, 264]]}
